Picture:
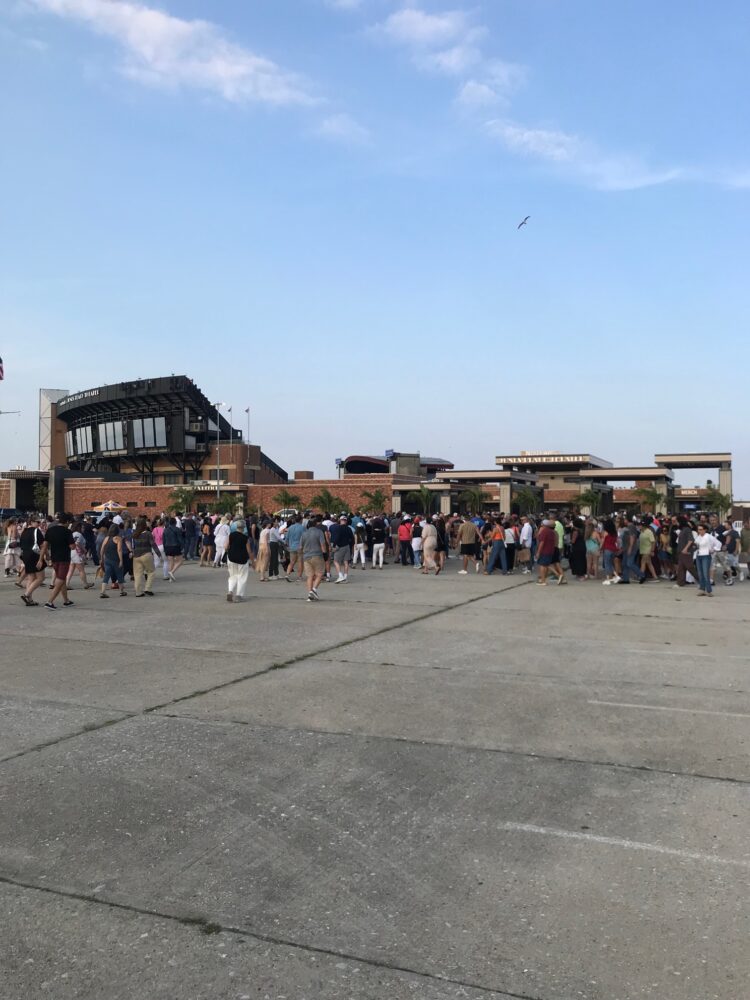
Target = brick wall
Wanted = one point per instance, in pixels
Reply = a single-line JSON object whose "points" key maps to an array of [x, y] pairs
{"points": [[350, 490], [4, 492], [81, 495], [561, 497]]}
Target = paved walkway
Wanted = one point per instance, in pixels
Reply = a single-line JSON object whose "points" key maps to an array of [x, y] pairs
{"points": [[417, 788]]}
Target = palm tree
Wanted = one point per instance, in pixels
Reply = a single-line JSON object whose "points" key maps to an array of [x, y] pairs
{"points": [[327, 502], [650, 497], [527, 499], [424, 497], [182, 498], [286, 499], [377, 501], [717, 501], [474, 498], [590, 498]]}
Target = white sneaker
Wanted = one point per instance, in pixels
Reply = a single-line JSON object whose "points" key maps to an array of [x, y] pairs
{"points": [[462, 572], [478, 567], [606, 583], [616, 578], [340, 578]]}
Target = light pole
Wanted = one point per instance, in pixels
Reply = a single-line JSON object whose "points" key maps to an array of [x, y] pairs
{"points": [[218, 450]]}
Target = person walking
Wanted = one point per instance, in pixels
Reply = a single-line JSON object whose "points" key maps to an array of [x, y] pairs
{"points": [[263, 558], [314, 546], [629, 542], [56, 548], [112, 561], [468, 540], [144, 549], [342, 540], [31, 542], [705, 547], [12, 547], [405, 553], [293, 538], [360, 545], [646, 550], [274, 545], [548, 554], [380, 531], [239, 557], [578, 561], [497, 549], [685, 550], [221, 539], [158, 533], [610, 548], [208, 544], [429, 549], [173, 547], [416, 541], [526, 541], [78, 558]]}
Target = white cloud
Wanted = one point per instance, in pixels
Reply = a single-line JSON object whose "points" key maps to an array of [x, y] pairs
{"points": [[417, 28], [343, 128], [455, 61], [167, 51], [475, 94], [344, 4], [580, 158]]}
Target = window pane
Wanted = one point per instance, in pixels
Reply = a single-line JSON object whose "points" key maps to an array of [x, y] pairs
{"points": [[89, 439], [102, 437], [137, 434], [148, 432], [160, 429], [110, 436], [119, 437], [80, 441], [69, 443]]}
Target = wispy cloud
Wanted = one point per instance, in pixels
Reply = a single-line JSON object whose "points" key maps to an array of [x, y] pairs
{"points": [[345, 129], [343, 4], [580, 158], [167, 51]]}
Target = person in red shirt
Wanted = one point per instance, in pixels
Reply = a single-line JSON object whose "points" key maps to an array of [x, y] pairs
{"points": [[548, 554]]}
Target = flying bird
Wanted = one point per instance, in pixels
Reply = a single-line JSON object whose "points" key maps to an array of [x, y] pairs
{"points": [[524, 222]]}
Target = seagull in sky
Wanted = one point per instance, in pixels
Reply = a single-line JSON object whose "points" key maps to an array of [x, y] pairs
{"points": [[524, 222]]}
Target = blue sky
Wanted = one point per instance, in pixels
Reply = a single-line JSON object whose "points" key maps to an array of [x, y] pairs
{"points": [[311, 206]]}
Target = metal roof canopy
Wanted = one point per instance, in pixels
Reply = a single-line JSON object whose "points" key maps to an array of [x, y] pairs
{"points": [[695, 460], [487, 475], [626, 474]]}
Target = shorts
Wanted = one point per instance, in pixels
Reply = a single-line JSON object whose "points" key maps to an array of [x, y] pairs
{"points": [[343, 554], [315, 565], [548, 560], [60, 570], [172, 550], [30, 562], [113, 573], [294, 558], [469, 550]]}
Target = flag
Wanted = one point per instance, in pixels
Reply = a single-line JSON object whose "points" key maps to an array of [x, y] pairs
{"points": [[2, 370]]}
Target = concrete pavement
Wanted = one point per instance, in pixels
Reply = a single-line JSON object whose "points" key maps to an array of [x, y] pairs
{"points": [[419, 787]]}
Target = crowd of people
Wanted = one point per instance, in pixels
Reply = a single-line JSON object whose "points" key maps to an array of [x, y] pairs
{"points": [[316, 548]]}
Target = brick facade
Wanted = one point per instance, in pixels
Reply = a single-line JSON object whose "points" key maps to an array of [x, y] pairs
{"points": [[81, 495], [4, 492]]}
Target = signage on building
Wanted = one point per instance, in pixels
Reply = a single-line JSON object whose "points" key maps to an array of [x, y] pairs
{"points": [[534, 458], [80, 395]]}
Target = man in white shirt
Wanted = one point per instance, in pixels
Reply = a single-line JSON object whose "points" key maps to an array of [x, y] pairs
{"points": [[527, 540]]}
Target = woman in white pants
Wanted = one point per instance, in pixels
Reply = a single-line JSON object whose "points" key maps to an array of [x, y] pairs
{"points": [[360, 545], [221, 538], [239, 557]]}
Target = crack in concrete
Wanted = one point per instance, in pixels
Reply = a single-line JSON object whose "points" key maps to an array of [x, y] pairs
{"points": [[211, 927], [248, 676], [459, 747]]}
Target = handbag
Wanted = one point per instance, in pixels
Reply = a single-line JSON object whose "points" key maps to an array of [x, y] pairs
{"points": [[523, 555]]}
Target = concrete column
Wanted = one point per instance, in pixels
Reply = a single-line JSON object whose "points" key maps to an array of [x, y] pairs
{"points": [[445, 502], [396, 502], [504, 502], [725, 479]]}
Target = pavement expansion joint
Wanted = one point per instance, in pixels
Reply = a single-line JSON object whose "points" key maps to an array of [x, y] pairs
{"points": [[458, 747], [209, 927], [124, 716]]}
